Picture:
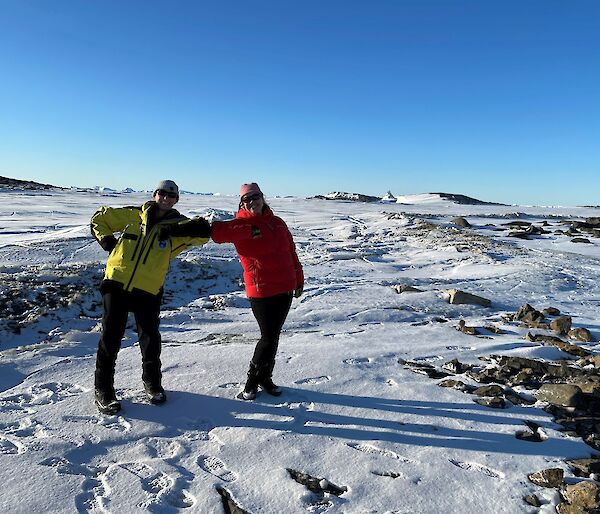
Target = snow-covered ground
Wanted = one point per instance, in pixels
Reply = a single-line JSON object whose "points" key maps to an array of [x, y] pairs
{"points": [[350, 413]]}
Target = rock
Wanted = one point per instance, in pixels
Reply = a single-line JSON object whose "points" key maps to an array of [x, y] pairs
{"points": [[472, 331], [457, 367], [581, 240], [551, 311], [457, 297], [535, 324], [564, 395], [405, 288], [535, 434], [489, 390], [594, 221], [561, 325], [566, 347], [528, 314], [461, 222], [423, 369], [583, 497], [492, 402], [584, 467], [551, 477], [532, 500], [316, 485], [519, 234], [580, 334], [229, 504], [494, 329], [456, 384]]}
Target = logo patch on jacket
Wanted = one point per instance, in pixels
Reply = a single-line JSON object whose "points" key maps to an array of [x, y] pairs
{"points": [[162, 244]]}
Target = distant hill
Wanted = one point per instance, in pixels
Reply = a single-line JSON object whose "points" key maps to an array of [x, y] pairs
{"points": [[419, 198], [14, 183], [465, 200]]}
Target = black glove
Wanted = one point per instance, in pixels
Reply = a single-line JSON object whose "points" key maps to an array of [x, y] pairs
{"points": [[164, 233], [255, 231], [108, 243], [197, 227], [298, 291]]}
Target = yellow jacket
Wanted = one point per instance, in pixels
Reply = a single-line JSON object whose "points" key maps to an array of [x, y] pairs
{"points": [[139, 260]]}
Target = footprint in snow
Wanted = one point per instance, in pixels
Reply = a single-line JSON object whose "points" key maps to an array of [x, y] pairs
{"points": [[216, 467], [10, 446], [473, 466], [162, 487], [165, 449], [198, 429], [313, 380], [358, 361], [41, 394], [25, 427], [374, 450], [231, 385]]}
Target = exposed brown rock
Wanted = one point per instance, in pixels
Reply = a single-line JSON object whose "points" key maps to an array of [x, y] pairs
{"points": [[564, 395], [457, 297], [583, 497], [551, 311], [461, 222], [472, 331], [527, 313], [584, 467], [405, 288], [492, 402], [580, 334], [561, 325], [551, 477]]}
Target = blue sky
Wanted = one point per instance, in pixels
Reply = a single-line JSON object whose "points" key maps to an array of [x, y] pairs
{"points": [[494, 99]]}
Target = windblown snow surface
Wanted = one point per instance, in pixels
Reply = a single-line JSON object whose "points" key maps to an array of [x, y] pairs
{"points": [[350, 414]]}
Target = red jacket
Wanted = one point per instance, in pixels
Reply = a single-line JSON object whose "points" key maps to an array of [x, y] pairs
{"points": [[270, 263]]}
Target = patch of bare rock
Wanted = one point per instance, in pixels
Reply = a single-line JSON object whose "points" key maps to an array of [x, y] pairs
{"points": [[569, 389]]}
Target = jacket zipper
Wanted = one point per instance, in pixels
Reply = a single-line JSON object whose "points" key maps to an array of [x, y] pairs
{"points": [[138, 260]]}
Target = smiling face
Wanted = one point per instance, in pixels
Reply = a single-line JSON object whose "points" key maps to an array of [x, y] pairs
{"points": [[253, 202], [165, 200]]}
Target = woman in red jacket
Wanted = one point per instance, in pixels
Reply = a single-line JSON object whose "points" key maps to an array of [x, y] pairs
{"points": [[272, 274]]}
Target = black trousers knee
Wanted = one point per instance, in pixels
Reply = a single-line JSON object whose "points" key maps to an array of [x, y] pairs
{"points": [[270, 313], [146, 310]]}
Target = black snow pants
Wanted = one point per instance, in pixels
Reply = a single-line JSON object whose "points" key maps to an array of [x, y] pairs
{"points": [[270, 313], [146, 309]]}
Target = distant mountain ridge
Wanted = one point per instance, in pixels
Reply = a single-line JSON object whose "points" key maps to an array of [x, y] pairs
{"points": [[390, 198], [13, 183]]}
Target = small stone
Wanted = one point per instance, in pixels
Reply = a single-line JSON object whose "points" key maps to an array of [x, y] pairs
{"points": [[551, 311], [584, 467], [563, 395], [456, 297], [532, 500], [492, 403], [551, 477], [561, 325], [461, 222], [489, 390], [405, 288], [580, 334]]}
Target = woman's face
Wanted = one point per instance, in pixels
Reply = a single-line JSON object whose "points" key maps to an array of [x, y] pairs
{"points": [[253, 202]]}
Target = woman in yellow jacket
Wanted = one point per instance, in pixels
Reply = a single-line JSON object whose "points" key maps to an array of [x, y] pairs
{"points": [[137, 266]]}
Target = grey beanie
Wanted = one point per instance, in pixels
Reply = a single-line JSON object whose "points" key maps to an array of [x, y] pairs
{"points": [[167, 185]]}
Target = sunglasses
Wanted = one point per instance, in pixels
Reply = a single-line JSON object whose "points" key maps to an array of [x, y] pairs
{"points": [[168, 194], [251, 198]]}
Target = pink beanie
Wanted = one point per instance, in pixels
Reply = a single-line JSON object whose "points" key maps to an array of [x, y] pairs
{"points": [[252, 187]]}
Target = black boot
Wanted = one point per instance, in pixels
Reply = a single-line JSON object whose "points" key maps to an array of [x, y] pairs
{"points": [[265, 379], [106, 401], [251, 387], [155, 393]]}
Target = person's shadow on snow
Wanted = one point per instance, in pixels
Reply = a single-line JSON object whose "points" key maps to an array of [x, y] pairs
{"points": [[355, 418]]}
